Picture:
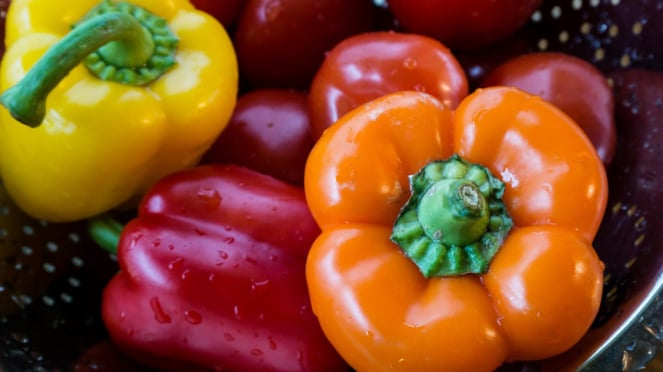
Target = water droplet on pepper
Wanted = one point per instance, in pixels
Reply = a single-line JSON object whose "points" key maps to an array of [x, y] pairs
{"points": [[193, 317], [159, 314]]}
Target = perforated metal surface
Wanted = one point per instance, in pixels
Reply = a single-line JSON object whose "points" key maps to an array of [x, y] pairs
{"points": [[51, 275]]}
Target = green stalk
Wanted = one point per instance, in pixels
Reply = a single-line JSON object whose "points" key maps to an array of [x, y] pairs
{"points": [[118, 41], [105, 231], [455, 220]]}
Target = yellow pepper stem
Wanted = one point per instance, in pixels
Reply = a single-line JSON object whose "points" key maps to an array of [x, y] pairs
{"points": [[118, 41]]}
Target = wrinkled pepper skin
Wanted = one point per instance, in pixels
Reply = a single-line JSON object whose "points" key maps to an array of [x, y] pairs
{"points": [[212, 276], [541, 290], [103, 143]]}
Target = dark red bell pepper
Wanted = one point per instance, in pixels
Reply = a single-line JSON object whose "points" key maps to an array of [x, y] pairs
{"points": [[212, 277]]}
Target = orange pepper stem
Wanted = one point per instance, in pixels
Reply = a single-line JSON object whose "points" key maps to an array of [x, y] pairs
{"points": [[117, 41], [455, 220], [453, 212]]}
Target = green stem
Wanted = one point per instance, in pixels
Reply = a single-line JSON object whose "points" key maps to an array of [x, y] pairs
{"points": [[117, 40], [105, 231], [455, 220], [453, 212]]}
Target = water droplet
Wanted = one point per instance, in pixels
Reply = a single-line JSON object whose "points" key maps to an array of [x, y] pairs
{"points": [[229, 240], [303, 310], [228, 337], [185, 274], [273, 10], [159, 314], [256, 352], [420, 88], [156, 243], [171, 247], [250, 259], [300, 358], [237, 313], [223, 255], [193, 317], [210, 197], [211, 277], [175, 263], [272, 343], [410, 63], [135, 237], [259, 286], [199, 232]]}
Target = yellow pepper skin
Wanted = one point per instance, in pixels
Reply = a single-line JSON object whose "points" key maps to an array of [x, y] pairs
{"points": [[102, 143]]}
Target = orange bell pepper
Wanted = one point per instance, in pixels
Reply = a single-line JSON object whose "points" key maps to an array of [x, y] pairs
{"points": [[485, 257]]}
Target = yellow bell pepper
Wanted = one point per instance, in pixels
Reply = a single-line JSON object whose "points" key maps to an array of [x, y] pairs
{"points": [[115, 95]]}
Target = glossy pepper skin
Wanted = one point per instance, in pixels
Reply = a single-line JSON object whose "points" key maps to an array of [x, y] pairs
{"points": [[102, 143], [212, 276], [541, 290]]}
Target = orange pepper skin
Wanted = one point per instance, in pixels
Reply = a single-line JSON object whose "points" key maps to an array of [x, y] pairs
{"points": [[546, 280], [542, 289]]}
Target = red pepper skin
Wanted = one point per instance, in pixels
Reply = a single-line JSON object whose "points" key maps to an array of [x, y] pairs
{"points": [[212, 276]]}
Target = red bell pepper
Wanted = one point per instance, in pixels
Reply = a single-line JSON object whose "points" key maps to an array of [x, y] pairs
{"points": [[212, 276]]}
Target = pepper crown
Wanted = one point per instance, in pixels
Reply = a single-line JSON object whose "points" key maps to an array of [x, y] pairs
{"points": [[118, 41], [455, 220]]}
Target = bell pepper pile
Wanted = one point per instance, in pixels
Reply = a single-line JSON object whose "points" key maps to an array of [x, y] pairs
{"points": [[365, 209]]}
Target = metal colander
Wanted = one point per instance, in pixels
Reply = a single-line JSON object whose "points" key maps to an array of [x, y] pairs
{"points": [[52, 275]]}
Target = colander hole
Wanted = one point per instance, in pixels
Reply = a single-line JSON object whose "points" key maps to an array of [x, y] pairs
{"points": [[4, 210], [594, 3], [615, 2], [52, 247], [77, 261], [625, 61], [3, 233], [22, 300], [556, 12], [66, 298], [27, 250], [585, 28], [74, 282], [49, 267], [613, 31], [28, 230], [48, 300], [18, 266], [542, 44], [576, 4], [563, 36], [536, 16], [637, 28], [599, 54], [74, 237]]}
